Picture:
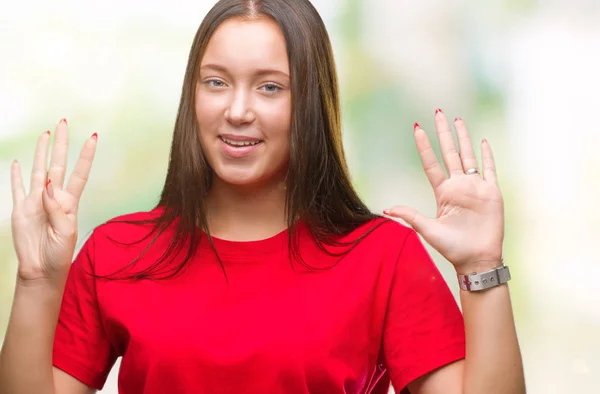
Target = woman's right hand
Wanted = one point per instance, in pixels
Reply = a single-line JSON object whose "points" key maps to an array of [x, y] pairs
{"points": [[44, 222]]}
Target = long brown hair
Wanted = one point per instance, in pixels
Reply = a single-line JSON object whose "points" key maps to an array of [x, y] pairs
{"points": [[318, 187]]}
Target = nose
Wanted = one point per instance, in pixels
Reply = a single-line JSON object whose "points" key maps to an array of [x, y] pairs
{"points": [[239, 111]]}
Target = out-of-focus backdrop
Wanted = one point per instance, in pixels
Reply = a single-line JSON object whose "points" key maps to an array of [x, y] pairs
{"points": [[524, 74]]}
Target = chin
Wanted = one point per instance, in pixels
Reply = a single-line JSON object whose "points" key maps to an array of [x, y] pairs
{"points": [[248, 176], [240, 177]]}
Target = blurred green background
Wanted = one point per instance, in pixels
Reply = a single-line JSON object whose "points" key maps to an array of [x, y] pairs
{"points": [[523, 74]]}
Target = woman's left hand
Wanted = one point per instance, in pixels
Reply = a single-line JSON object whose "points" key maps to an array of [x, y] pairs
{"points": [[469, 228]]}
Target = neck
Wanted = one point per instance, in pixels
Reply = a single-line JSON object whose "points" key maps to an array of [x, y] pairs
{"points": [[246, 213]]}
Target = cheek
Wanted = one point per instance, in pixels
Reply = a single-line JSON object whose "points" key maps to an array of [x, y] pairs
{"points": [[207, 111], [277, 120]]}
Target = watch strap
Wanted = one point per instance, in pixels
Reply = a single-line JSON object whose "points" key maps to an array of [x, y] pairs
{"points": [[484, 280]]}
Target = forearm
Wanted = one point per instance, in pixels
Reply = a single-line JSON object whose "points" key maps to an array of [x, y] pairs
{"points": [[26, 356], [493, 363]]}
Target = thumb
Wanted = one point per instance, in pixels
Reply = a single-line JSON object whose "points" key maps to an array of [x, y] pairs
{"points": [[411, 216], [56, 215]]}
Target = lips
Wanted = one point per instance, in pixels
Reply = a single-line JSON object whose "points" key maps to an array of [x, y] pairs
{"points": [[240, 143], [237, 147]]}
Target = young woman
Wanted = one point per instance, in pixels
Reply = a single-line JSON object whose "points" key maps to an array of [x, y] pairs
{"points": [[260, 270]]}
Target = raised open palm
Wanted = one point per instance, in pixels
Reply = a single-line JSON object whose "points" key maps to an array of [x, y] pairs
{"points": [[44, 222], [469, 226]]}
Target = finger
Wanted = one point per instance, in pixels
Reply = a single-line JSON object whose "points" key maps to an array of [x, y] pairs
{"points": [[467, 155], [56, 215], [82, 168], [489, 165], [431, 165], [447, 145], [60, 149], [16, 182], [411, 216], [38, 171]]}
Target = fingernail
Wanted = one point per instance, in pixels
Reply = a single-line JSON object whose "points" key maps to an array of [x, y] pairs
{"points": [[437, 111], [47, 132], [49, 188], [457, 119], [63, 120], [417, 126], [484, 141], [95, 136], [386, 211]]}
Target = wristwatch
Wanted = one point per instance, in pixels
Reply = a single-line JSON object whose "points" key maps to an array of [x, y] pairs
{"points": [[484, 280]]}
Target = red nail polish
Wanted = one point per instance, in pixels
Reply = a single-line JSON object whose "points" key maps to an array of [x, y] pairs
{"points": [[417, 126], [47, 132], [63, 120], [457, 119], [438, 111], [95, 136], [386, 211], [49, 188]]}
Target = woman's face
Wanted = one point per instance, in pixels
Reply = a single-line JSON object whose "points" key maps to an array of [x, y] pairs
{"points": [[243, 102]]}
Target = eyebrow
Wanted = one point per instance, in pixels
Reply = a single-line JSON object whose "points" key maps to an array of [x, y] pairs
{"points": [[260, 71]]}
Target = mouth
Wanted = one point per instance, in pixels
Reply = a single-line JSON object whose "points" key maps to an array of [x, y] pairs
{"points": [[240, 143]]}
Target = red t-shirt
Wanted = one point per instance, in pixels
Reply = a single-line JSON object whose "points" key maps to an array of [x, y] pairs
{"points": [[383, 313]]}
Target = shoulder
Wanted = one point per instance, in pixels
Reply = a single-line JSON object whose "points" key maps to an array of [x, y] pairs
{"points": [[379, 239], [383, 233], [128, 227], [125, 238]]}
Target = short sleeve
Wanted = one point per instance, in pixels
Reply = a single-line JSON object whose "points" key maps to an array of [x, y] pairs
{"points": [[81, 346], [424, 328]]}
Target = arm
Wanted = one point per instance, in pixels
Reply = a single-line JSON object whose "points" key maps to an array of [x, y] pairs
{"points": [[493, 363], [26, 356], [44, 231], [469, 232]]}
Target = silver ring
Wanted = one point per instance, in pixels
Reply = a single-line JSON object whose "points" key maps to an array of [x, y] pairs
{"points": [[472, 171]]}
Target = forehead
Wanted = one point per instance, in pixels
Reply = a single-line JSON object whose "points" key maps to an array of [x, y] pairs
{"points": [[247, 43]]}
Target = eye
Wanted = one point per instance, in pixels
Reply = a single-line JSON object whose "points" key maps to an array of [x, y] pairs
{"points": [[271, 88], [215, 83]]}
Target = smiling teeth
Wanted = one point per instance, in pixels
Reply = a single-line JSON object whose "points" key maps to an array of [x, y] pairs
{"points": [[240, 143]]}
